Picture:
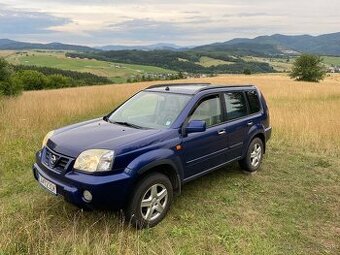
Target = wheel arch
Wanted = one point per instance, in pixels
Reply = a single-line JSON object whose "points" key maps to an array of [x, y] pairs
{"points": [[166, 167], [263, 139], [257, 134]]}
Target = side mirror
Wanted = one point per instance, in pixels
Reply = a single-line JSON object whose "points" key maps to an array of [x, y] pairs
{"points": [[196, 126]]}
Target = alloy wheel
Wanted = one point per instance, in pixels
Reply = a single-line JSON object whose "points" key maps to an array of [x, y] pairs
{"points": [[154, 202]]}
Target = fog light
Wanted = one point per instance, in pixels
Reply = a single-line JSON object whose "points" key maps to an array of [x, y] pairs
{"points": [[87, 196]]}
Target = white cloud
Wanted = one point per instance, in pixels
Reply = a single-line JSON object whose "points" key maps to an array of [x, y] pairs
{"points": [[184, 22]]}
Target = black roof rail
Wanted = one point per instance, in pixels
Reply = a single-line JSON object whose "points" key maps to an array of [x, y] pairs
{"points": [[177, 84], [226, 86]]}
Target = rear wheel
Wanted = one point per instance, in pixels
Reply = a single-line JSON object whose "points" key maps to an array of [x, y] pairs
{"points": [[151, 201], [251, 163]]}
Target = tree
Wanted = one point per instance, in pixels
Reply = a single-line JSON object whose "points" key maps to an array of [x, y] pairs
{"points": [[308, 68], [247, 71], [8, 87], [57, 81], [5, 70], [31, 80]]}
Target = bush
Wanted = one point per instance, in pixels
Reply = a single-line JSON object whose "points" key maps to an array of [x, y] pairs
{"points": [[8, 87], [5, 70], [31, 80], [308, 68], [59, 81], [78, 78], [247, 71]]}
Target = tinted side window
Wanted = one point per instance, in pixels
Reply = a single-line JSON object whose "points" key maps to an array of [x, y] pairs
{"points": [[254, 103], [209, 110], [236, 105]]}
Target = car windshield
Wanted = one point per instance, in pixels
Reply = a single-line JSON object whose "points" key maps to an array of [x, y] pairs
{"points": [[150, 110]]}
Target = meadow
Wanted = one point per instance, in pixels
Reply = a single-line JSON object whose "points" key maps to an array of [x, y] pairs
{"points": [[331, 60], [279, 64], [207, 62], [291, 206], [117, 72]]}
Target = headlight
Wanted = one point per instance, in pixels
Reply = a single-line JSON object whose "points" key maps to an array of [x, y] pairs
{"points": [[95, 160], [48, 136]]}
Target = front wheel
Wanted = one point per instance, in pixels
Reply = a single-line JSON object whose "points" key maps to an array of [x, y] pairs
{"points": [[251, 163], [151, 201]]}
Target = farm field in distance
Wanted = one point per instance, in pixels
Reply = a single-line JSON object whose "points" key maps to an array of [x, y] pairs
{"points": [[279, 64], [120, 72], [208, 61], [291, 206], [328, 60], [117, 72]]}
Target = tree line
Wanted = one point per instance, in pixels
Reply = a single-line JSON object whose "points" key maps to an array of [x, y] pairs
{"points": [[178, 61], [15, 78]]}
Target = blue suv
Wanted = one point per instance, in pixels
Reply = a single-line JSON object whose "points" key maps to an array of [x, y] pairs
{"points": [[138, 157]]}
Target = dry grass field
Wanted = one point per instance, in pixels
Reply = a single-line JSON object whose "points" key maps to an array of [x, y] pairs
{"points": [[291, 206]]}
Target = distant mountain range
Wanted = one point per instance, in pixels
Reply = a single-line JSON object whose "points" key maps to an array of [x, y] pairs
{"points": [[328, 44], [158, 46], [6, 44]]}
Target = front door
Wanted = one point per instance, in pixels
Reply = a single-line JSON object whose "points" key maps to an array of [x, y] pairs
{"points": [[205, 150]]}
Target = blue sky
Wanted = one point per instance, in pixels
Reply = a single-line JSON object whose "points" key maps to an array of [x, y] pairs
{"points": [[140, 22]]}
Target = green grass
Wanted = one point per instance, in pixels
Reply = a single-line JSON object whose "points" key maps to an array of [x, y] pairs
{"points": [[279, 64], [207, 62], [291, 206], [117, 72], [331, 60]]}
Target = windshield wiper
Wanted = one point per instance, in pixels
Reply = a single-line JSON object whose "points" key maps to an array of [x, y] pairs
{"points": [[123, 123]]}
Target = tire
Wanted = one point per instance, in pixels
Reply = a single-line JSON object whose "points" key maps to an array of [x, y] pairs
{"points": [[156, 192], [252, 161]]}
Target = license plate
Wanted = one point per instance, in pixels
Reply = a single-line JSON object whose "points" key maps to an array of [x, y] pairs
{"points": [[50, 186]]}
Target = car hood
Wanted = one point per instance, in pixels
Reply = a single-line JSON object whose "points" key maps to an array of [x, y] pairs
{"points": [[96, 134]]}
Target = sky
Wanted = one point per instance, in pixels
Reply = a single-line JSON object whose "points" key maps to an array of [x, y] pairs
{"points": [[182, 22]]}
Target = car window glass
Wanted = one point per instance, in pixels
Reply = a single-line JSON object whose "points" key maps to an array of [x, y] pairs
{"points": [[254, 103], [146, 105], [208, 110], [151, 109], [235, 104]]}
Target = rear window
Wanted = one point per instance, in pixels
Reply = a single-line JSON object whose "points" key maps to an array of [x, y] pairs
{"points": [[254, 103], [236, 105]]}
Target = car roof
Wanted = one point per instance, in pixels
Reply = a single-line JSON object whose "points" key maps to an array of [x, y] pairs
{"points": [[193, 88]]}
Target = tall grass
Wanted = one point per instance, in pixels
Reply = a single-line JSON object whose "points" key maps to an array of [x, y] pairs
{"points": [[290, 207], [302, 114]]}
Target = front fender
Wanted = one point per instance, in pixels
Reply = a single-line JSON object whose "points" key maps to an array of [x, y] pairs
{"points": [[154, 158]]}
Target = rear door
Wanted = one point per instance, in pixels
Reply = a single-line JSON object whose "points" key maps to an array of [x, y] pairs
{"points": [[238, 122]]}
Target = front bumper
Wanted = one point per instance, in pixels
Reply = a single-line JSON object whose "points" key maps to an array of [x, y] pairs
{"points": [[107, 190]]}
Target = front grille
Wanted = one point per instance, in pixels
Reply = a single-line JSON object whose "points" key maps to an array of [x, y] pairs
{"points": [[54, 160]]}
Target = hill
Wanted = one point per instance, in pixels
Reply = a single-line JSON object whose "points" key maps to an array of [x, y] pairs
{"points": [[6, 44], [116, 72], [328, 44], [273, 45], [181, 61], [158, 46]]}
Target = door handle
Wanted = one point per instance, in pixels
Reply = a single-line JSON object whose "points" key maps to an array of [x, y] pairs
{"points": [[221, 132], [250, 123]]}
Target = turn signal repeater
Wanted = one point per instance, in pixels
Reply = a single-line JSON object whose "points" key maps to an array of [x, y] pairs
{"points": [[178, 147]]}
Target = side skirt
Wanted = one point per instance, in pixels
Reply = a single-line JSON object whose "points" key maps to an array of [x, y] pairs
{"points": [[195, 176]]}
